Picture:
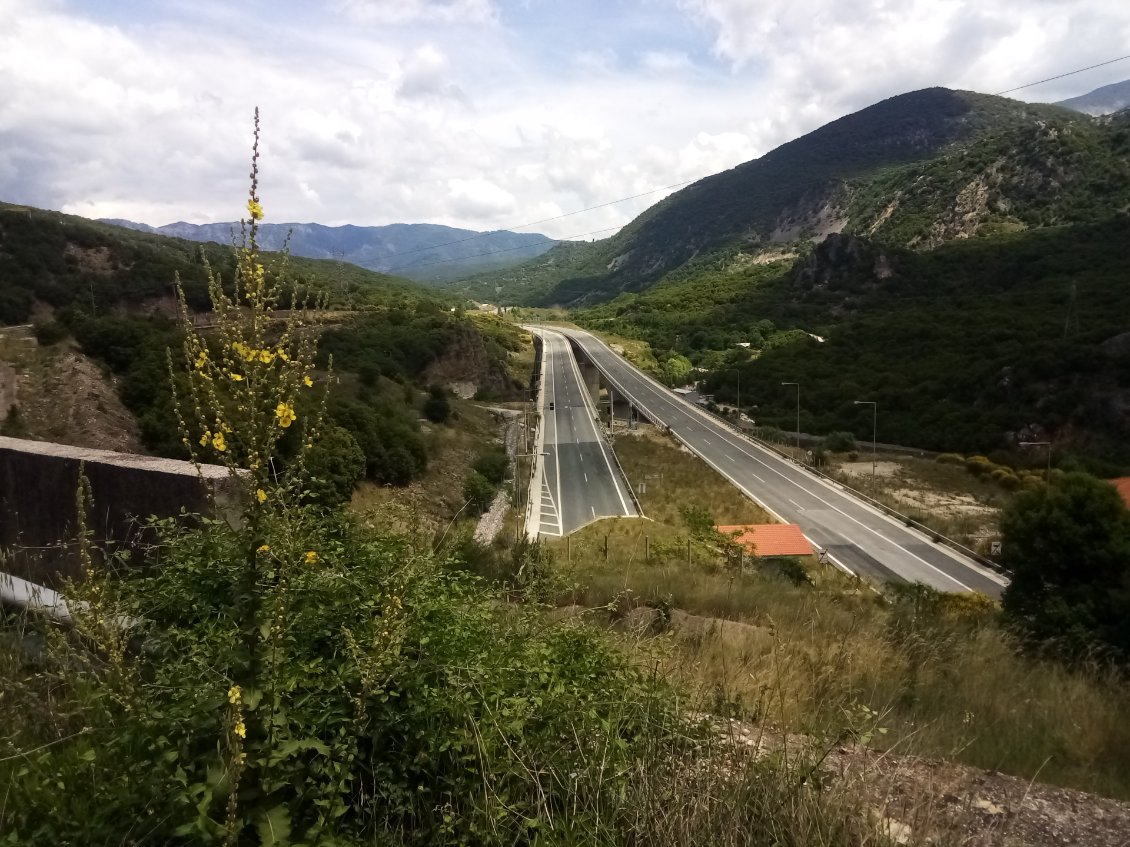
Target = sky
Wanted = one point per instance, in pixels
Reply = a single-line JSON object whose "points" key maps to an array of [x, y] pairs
{"points": [[484, 114]]}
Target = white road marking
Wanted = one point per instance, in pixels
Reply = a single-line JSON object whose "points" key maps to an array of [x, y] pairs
{"points": [[795, 503], [852, 518]]}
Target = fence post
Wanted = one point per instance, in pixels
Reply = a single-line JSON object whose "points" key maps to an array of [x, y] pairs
{"points": [[688, 552], [647, 548]]}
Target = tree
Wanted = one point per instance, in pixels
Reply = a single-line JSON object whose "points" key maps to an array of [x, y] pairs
{"points": [[335, 464], [1068, 547], [479, 491], [437, 408]]}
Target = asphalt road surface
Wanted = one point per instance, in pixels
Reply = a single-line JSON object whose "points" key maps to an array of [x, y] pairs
{"points": [[855, 535], [581, 480]]}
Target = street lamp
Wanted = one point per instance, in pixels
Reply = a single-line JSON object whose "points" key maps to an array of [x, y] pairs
{"points": [[797, 384], [1047, 444], [874, 428]]}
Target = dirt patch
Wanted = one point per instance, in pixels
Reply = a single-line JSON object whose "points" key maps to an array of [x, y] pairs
{"points": [[917, 800], [953, 505], [63, 396], [864, 468], [97, 260]]}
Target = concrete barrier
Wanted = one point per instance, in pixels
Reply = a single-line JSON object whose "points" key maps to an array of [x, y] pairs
{"points": [[38, 488]]}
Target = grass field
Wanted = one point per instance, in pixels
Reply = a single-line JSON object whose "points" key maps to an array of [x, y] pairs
{"points": [[917, 672]]}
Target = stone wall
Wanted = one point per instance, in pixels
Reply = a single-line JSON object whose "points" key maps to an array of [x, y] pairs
{"points": [[38, 486]]}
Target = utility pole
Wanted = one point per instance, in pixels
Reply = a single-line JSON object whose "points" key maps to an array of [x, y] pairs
{"points": [[874, 428], [1048, 468]]}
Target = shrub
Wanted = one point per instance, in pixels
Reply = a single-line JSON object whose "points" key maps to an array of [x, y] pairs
{"points": [[950, 459], [1005, 478], [437, 406], [335, 463], [49, 332], [479, 492], [840, 442], [979, 466], [1068, 548], [494, 465]]}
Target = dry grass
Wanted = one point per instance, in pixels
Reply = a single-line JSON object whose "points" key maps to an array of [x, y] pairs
{"points": [[933, 675], [666, 477], [944, 497]]}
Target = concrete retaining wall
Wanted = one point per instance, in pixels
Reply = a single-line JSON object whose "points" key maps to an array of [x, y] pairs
{"points": [[38, 486]]}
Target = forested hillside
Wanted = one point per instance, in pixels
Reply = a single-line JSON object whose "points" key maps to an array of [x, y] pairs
{"points": [[393, 344], [969, 347]]}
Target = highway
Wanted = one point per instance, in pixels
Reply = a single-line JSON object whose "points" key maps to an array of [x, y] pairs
{"points": [[855, 536], [581, 481]]}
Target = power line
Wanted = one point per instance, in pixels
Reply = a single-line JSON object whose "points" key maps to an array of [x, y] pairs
{"points": [[1061, 76]]}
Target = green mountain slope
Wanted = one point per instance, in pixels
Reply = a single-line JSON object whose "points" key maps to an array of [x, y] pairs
{"points": [[970, 347], [918, 168]]}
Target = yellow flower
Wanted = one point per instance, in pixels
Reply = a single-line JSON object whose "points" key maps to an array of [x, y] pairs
{"points": [[266, 357], [235, 694], [236, 377], [205, 438], [281, 353], [263, 548], [308, 382], [240, 728], [311, 557], [201, 359], [285, 413], [254, 209], [218, 442], [261, 494]]}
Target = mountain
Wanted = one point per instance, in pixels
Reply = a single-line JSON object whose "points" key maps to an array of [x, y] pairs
{"points": [[51, 260], [916, 169], [1102, 101], [963, 259], [422, 252]]}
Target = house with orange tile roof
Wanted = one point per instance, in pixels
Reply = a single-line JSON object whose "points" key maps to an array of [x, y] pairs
{"points": [[770, 539], [1123, 486]]}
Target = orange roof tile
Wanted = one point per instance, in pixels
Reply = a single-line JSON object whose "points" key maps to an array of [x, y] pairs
{"points": [[1123, 486], [770, 539]]}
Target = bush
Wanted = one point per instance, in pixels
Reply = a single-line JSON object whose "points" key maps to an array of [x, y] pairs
{"points": [[335, 463], [979, 466], [840, 442], [1068, 548], [437, 406], [479, 492], [1005, 478], [950, 459], [49, 332], [494, 465]]}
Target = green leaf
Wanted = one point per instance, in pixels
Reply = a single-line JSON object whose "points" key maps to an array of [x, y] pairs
{"points": [[274, 826]]}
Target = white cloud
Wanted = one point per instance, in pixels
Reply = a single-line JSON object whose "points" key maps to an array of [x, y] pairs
{"points": [[413, 11], [383, 113]]}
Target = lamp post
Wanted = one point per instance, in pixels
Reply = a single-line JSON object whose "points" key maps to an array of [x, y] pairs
{"points": [[797, 384], [1048, 445], [874, 428]]}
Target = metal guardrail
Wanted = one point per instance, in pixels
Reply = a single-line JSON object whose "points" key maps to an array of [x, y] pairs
{"points": [[934, 535]]}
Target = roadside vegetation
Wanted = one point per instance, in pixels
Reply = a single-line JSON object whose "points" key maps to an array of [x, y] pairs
{"points": [[812, 651], [297, 677]]}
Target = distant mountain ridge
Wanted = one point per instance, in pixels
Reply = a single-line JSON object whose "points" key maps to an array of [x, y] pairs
{"points": [[1102, 101], [421, 252]]}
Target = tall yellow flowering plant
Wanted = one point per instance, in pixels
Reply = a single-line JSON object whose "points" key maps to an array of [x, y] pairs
{"points": [[245, 374]]}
